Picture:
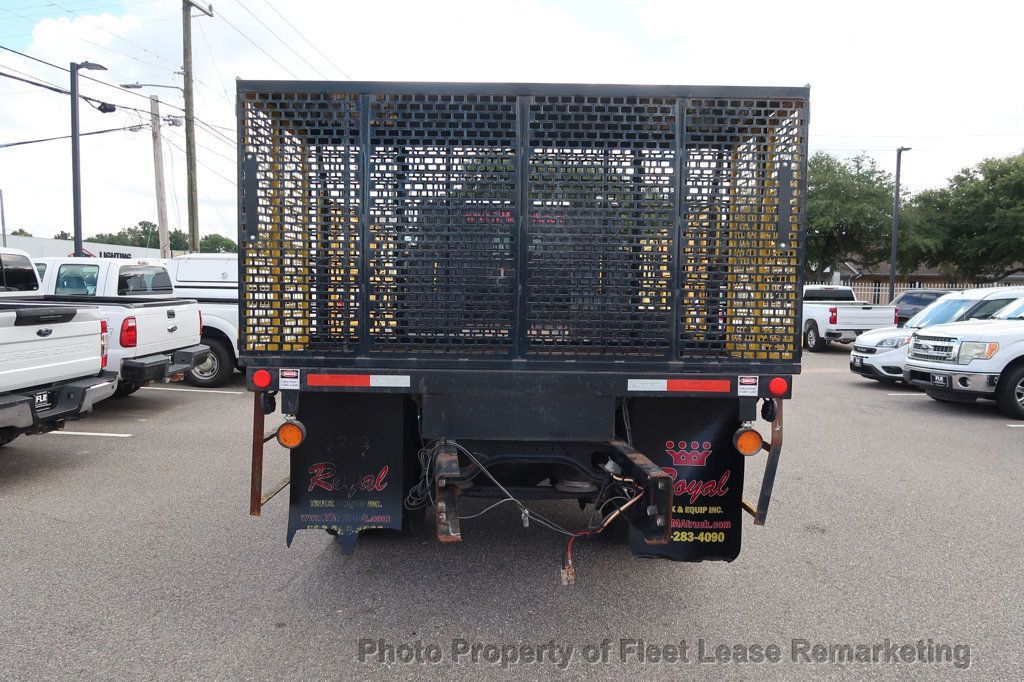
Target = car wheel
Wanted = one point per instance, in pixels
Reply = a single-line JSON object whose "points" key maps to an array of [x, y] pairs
{"points": [[126, 388], [813, 340], [1010, 394], [216, 369], [6, 436]]}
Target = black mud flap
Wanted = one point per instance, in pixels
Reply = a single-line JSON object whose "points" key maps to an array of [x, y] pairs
{"points": [[692, 441], [349, 474]]}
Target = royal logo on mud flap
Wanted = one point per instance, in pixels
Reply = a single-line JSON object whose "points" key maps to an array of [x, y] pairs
{"points": [[695, 456], [323, 477]]}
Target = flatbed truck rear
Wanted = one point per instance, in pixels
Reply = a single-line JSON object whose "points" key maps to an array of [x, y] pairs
{"points": [[586, 293]]}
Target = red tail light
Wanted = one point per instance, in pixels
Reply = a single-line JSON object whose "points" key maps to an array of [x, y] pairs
{"points": [[896, 316], [833, 315], [129, 333], [200, 321], [104, 343]]}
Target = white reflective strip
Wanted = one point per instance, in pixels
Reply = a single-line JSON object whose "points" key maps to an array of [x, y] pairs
{"points": [[390, 380], [647, 385]]}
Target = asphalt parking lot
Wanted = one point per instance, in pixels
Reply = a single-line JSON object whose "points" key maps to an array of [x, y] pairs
{"points": [[132, 555]]}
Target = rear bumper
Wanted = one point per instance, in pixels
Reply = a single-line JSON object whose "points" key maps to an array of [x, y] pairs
{"points": [[163, 366], [69, 400], [952, 381]]}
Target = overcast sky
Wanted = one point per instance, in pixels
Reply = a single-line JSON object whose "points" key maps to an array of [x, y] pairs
{"points": [[941, 77]]}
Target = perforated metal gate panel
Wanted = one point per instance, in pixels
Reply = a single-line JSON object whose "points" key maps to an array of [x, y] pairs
{"points": [[484, 222]]}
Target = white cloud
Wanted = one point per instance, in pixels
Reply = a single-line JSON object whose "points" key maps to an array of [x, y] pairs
{"points": [[937, 76]]}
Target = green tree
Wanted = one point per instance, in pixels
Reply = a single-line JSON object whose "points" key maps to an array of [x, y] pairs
{"points": [[21, 232], [215, 243], [849, 213], [178, 239], [974, 227], [144, 234], [63, 234]]}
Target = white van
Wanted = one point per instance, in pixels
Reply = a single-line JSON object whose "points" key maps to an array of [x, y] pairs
{"points": [[211, 279]]}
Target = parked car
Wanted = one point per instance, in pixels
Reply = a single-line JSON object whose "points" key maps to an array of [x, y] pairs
{"points": [[880, 354], [833, 313], [212, 280], [154, 336], [913, 301], [53, 358], [964, 361]]}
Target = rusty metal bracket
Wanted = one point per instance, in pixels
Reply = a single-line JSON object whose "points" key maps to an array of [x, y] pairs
{"points": [[760, 512], [446, 504], [652, 517], [282, 484], [256, 479]]}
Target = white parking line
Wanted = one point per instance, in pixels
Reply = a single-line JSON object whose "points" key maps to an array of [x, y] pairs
{"points": [[1016, 426], [192, 390], [911, 395], [91, 433]]}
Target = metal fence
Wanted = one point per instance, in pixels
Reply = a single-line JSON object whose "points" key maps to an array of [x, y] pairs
{"points": [[878, 292], [500, 222]]}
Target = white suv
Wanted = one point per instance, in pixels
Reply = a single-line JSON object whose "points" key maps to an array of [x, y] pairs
{"points": [[880, 354], [964, 361]]}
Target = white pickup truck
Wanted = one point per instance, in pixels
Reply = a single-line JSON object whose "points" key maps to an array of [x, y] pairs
{"points": [[833, 313], [964, 361], [212, 280], [153, 336], [52, 357]]}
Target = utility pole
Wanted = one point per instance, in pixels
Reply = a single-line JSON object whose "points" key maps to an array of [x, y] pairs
{"points": [[158, 176], [3, 220], [76, 174], [895, 225], [190, 123]]}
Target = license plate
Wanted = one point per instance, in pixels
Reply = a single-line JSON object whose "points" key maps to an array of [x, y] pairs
{"points": [[858, 362], [43, 400], [940, 380]]}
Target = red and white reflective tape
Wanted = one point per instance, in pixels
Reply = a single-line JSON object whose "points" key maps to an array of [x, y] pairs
{"points": [[363, 380], [680, 385]]}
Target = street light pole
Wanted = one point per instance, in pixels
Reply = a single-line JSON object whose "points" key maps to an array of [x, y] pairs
{"points": [[76, 175], [895, 225]]}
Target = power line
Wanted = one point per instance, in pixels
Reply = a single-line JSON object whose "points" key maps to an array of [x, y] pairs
{"points": [[255, 44], [54, 88], [105, 30], [280, 40], [109, 85], [85, 40], [202, 164], [220, 78], [301, 35], [132, 128]]}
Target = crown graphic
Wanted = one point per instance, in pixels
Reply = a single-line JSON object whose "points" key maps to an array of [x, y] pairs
{"points": [[695, 456]]}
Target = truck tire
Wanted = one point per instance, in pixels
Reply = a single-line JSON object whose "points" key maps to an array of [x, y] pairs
{"points": [[812, 339], [217, 369], [1010, 393], [6, 436], [125, 388]]}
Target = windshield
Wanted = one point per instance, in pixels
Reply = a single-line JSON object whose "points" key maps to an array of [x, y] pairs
{"points": [[941, 312], [1014, 311], [143, 279]]}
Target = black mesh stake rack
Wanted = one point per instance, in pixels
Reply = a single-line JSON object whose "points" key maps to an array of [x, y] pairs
{"points": [[496, 226]]}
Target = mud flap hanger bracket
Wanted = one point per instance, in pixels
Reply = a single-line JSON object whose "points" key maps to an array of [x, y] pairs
{"points": [[760, 512]]}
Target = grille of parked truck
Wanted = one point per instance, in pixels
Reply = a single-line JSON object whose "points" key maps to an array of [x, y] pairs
{"points": [[522, 292]]}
